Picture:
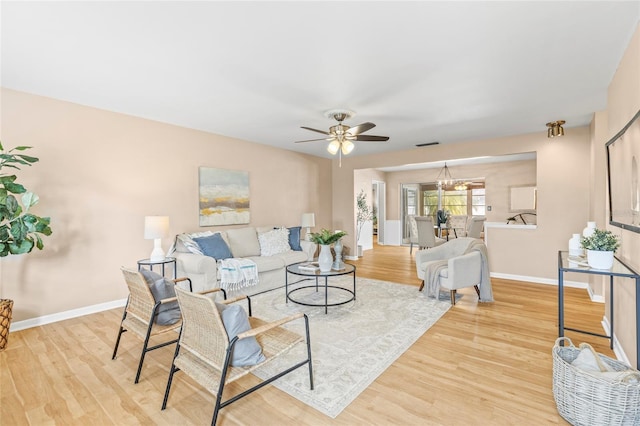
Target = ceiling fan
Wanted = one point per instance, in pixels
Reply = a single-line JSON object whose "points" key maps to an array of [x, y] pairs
{"points": [[341, 136]]}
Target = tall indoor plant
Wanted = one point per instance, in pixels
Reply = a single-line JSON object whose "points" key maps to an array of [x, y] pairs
{"points": [[363, 215], [20, 229]]}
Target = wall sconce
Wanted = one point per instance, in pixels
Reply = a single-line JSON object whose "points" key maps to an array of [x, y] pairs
{"points": [[156, 228], [555, 128], [308, 221]]}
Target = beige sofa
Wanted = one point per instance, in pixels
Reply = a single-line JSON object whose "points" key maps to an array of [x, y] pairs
{"points": [[243, 243]]}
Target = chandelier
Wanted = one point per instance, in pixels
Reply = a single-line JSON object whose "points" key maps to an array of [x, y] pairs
{"points": [[446, 180]]}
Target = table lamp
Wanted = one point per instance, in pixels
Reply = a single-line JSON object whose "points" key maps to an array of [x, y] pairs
{"points": [[308, 221], [156, 228]]}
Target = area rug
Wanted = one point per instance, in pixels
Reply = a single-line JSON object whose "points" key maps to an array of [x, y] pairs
{"points": [[353, 343]]}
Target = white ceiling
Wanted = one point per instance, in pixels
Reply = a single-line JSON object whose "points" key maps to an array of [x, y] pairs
{"points": [[422, 71]]}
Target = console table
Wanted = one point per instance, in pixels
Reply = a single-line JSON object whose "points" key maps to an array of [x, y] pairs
{"points": [[619, 269]]}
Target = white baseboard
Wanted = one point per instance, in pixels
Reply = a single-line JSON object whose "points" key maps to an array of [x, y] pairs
{"points": [[617, 349], [595, 297], [61, 316], [351, 257], [538, 280]]}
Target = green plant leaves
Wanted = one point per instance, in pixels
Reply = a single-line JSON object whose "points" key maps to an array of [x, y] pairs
{"points": [[325, 236], [600, 240], [20, 230]]}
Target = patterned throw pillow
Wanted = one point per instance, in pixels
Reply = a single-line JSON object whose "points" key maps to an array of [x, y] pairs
{"points": [[274, 242]]}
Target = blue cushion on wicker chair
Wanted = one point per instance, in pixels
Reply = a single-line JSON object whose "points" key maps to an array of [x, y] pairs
{"points": [[247, 351]]}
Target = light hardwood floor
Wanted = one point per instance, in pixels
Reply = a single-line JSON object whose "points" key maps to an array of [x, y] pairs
{"points": [[480, 364]]}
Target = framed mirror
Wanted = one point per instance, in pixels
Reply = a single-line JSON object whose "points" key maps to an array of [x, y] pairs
{"points": [[623, 170]]}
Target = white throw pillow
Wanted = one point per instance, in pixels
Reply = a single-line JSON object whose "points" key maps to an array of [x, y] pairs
{"points": [[274, 242]]}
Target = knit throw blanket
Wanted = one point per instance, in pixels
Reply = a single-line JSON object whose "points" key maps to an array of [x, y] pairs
{"points": [[237, 273], [459, 247]]}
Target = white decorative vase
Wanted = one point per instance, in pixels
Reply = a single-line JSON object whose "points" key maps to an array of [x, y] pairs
{"points": [[600, 259], [337, 247], [574, 246], [589, 230], [325, 259]]}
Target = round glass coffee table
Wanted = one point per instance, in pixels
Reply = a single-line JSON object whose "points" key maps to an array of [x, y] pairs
{"points": [[318, 286]]}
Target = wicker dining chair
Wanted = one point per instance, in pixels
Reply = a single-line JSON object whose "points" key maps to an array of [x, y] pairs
{"points": [[140, 313], [204, 350]]}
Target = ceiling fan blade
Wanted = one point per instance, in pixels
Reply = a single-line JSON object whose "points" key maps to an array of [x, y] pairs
{"points": [[361, 128], [316, 130], [371, 138], [314, 140]]}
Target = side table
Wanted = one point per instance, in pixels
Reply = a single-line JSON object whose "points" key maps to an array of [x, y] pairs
{"points": [[166, 261]]}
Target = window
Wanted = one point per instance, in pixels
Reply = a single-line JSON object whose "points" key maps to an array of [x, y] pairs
{"points": [[455, 202], [478, 202]]}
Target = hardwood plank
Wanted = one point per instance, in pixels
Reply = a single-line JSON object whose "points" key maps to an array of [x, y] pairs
{"points": [[479, 364]]}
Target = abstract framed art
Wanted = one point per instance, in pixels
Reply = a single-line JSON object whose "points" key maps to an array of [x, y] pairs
{"points": [[223, 197]]}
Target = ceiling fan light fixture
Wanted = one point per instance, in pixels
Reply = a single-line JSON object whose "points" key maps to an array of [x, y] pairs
{"points": [[333, 147], [347, 147]]}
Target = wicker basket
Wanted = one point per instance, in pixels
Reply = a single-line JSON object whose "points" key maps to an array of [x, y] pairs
{"points": [[6, 307], [586, 399]]}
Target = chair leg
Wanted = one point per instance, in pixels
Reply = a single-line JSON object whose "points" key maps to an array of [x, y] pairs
{"points": [[410, 248], [122, 330], [306, 323], [223, 375], [171, 372], [144, 350], [169, 382], [453, 297], [477, 290], [421, 286], [115, 349]]}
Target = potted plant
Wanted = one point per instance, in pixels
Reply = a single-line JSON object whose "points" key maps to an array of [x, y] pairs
{"points": [[600, 247], [363, 215], [325, 238], [20, 230]]}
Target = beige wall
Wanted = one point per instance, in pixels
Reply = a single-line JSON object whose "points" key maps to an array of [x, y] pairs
{"points": [[100, 173], [622, 103]]}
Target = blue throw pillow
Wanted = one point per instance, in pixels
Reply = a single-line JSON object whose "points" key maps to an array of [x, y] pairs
{"points": [[162, 288], [247, 351], [294, 238], [214, 246]]}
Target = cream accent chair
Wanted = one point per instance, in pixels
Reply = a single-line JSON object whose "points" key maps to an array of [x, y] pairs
{"points": [[464, 270], [426, 233], [475, 226]]}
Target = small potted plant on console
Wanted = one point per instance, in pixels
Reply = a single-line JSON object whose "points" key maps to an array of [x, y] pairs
{"points": [[600, 247]]}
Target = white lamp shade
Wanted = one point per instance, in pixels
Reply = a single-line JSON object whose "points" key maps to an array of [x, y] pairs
{"points": [[156, 227], [333, 147], [308, 220]]}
